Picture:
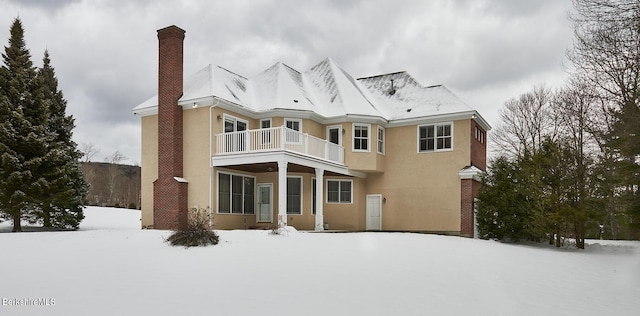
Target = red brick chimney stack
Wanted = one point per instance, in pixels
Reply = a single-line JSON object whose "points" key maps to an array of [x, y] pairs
{"points": [[170, 190]]}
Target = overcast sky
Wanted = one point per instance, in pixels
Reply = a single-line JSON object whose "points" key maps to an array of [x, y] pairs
{"points": [[105, 52]]}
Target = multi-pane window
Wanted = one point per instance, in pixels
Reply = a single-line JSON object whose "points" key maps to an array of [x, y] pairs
{"points": [[236, 194], [293, 124], [339, 191], [380, 140], [294, 195], [435, 137], [479, 135], [361, 137]]}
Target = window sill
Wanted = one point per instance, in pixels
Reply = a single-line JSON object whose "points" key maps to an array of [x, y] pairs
{"points": [[435, 151]]}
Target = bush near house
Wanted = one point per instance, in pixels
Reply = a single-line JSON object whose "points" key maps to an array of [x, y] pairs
{"points": [[197, 233]]}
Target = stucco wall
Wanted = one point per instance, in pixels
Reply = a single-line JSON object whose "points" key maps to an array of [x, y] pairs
{"points": [[149, 164], [196, 156], [422, 190]]}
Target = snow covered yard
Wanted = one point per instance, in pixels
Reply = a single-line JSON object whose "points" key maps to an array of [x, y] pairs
{"points": [[111, 267]]}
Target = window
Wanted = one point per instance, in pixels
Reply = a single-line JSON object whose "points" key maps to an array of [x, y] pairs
{"points": [[339, 191], [313, 196], [333, 134], [435, 137], [296, 125], [361, 137], [233, 124], [235, 194], [479, 135], [380, 140], [294, 195]]}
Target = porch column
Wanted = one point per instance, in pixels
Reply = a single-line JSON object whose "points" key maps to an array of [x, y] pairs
{"points": [[319, 199], [282, 194]]}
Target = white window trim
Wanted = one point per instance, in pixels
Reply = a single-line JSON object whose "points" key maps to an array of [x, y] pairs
{"points": [[266, 120], [231, 174], [435, 149], [480, 135], [327, 191], [293, 120], [384, 140], [226, 116], [339, 127], [257, 207], [353, 137], [301, 196]]}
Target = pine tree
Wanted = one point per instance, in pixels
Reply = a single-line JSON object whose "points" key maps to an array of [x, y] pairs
{"points": [[23, 134], [511, 200], [624, 141], [62, 202]]}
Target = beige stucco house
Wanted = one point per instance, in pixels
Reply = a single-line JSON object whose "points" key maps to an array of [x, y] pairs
{"points": [[316, 149]]}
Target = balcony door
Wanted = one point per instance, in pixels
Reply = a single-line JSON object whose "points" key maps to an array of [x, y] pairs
{"points": [[236, 140], [334, 136]]}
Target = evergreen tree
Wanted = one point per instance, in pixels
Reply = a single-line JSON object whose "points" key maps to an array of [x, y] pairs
{"points": [[23, 133], [624, 141], [509, 202], [62, 202]]}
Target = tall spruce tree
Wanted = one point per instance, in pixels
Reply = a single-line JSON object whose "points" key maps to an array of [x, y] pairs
{"points": [[624, 141], [61, 204], [23, 134]]}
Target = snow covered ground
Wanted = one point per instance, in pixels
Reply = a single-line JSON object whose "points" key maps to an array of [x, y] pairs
{"points": [[111, 267]]}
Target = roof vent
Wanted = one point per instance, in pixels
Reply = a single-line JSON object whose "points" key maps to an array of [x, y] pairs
{"points": [[295, 101], [408, 110], [392, 91]]}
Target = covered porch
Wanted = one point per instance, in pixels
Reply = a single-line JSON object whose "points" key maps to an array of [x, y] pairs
{"points": [[285, 151]]}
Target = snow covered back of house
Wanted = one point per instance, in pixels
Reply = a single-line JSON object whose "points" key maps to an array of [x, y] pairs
{"points": [[111, 267], [325, 89]]}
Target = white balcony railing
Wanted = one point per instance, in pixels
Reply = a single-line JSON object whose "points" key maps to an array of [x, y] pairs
{"points": [[278, 138]]}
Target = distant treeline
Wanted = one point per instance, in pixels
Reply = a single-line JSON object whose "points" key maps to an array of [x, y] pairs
{"points": [[113, 185]]}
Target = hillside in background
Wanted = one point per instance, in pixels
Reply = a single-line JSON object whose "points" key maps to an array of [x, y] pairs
{"points": [[113, 185]]}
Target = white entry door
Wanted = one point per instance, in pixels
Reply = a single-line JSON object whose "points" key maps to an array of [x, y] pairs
{"points": [[374, 211], [265, 206]]}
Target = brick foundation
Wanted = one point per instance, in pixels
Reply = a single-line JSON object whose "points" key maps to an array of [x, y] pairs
{"points": [[469, 189]]}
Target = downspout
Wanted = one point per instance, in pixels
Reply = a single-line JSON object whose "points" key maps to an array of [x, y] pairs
{"points": [[211, 162]]}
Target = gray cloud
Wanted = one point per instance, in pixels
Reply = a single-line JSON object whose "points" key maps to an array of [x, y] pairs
{"points": [[47, 5], [105, 52]]}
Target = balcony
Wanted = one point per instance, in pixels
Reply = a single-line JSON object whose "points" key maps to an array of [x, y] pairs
{"points": [[277, 139]]}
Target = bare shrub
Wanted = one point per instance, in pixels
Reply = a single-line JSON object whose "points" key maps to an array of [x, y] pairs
{"points": [[197, 233]]}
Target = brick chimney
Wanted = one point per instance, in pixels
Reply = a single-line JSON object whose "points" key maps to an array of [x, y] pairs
{"points": [[170, 189]]}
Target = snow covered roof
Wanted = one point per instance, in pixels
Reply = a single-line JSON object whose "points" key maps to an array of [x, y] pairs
{"points": [[325, 89]]}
